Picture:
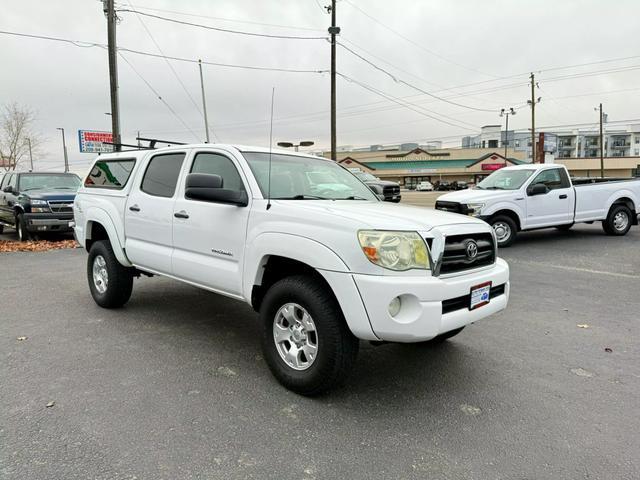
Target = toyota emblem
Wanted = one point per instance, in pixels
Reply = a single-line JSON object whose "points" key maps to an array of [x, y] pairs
{"points": [[472, 250]]}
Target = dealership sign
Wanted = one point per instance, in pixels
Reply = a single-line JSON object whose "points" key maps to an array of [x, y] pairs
{"points": [[493, 166], [92, 141]]}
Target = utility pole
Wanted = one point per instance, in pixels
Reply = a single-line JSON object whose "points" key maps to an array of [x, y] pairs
{"points": [[64, 149], [333, 30], [601, 146], [505, 113], [30, 154], [110, 12], [204, 103], [533, 119]]}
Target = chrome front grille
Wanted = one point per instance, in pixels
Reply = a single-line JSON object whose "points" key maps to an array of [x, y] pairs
{"points": [[61, 206]]}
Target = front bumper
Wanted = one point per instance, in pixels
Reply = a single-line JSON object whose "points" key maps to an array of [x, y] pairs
{"points": [[421, 317], [49, 222]]}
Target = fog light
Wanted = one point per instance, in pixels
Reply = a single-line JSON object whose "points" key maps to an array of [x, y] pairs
{"points": [[394, 306]]}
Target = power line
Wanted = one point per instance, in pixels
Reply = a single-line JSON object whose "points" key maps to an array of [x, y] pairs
{"points": [[399, 80], [247, 22], [80, 43], [421, 47], [219, 29], [155, 92], [175, 74], [410, 106]]}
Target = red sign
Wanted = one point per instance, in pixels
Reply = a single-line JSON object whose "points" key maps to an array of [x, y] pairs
{"points": [[493, 166]]}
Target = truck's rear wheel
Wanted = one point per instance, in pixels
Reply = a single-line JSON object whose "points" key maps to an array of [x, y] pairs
{"points": [[110, 282], [306, 341], [505, 229], [618, 221]]}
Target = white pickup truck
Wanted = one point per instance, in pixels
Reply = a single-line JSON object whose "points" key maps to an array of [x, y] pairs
{"points": [[325, 265], [528, 197]]}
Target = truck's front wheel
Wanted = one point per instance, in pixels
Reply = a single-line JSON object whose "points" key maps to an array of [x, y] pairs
{"points": [[306, 341], [505, 229], [618, 221], [109, 281]]}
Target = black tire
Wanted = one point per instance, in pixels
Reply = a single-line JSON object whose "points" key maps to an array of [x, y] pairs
{"points": [[337, 347], [564, 228], [446, 335], [612, 226], [510, 237], [119, 278], [21, 228], [1, 229]]}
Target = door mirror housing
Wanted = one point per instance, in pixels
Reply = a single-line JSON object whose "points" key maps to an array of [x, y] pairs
{"points": [[209, 188], [537, 189], [8, 189]]}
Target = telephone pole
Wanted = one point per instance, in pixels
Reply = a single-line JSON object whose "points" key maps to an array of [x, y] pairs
{"points": [[533, 119], [30, 154], [505, 113], [333, 30], [204, 103], [64, 150], [110, 12], [601, 146]]}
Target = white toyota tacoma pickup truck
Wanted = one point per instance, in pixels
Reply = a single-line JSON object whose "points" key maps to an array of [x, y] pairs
{"points": [[528, 197], [325, 265]]}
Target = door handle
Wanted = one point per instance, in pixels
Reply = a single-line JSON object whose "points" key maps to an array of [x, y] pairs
{"points": [[134, 208], [181, 214], [563, 196]]}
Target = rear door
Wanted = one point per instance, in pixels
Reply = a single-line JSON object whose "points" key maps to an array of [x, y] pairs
{"points": [[149, 213], [208, 237], [554, 207]]}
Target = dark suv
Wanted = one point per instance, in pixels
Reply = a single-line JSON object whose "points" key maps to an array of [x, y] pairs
{"points": [[389, 190], [37, 202]]}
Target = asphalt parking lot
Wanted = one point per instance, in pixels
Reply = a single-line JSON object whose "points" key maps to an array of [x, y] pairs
{"points": [[173, 386]]}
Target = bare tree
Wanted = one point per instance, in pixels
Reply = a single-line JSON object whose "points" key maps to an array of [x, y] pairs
{"points": [[16, 131]]}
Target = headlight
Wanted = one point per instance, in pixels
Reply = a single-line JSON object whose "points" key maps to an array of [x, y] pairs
{"points": [[474, 209], [39, 206], [394, 250]]}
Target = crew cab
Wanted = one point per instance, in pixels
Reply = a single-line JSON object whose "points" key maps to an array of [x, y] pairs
{"points": [[528, 197], [34, 202], [324, 267]]}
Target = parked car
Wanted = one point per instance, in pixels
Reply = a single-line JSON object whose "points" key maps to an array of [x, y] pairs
{"points": [[457, 185], [424, 187], [390, 190], [323, 272], [443, 186], [527, 197], [37, 202]]}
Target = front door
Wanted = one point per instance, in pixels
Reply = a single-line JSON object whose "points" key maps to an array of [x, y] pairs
{"points": [[209, 238], [5, 211], [554, 207], [149, 213]]}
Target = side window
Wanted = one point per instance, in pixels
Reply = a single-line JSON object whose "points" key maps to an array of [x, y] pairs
{"points": [[217, 164], [4, 182], [13, 181], [566, 183], [550, 178], [162, 173], [110, 174]]}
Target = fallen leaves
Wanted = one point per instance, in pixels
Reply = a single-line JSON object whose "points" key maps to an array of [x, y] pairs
{"points": [[582, 325], [50, 404], [7, 246], [608, 350], [22, 338]]}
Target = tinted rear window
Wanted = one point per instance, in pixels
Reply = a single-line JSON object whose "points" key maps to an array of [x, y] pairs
{"points": [[110, 174], [162, 173]]}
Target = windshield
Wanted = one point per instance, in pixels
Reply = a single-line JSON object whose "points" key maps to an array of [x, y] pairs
{"points": [[365, 177], [505, 180], [49, 182], [300, 178]]}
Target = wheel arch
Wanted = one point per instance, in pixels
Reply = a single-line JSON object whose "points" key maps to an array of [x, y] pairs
{"points": [[628, 202], [99, 226], [507, 212]]}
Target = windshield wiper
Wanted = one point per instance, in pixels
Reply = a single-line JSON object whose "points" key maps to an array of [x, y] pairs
{"points": [[352, 197], [33, 188], [303, 197], [495, 188]]}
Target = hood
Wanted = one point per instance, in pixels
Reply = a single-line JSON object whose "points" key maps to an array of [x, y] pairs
{"points": [[51, 195], [475, 195], [376, 215]]}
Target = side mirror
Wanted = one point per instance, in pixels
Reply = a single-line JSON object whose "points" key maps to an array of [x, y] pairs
{"points": [[538, 189], [208, 188], [8, 189]]}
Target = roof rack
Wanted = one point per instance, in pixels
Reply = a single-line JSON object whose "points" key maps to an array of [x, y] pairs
{"points": [[151, 146]]}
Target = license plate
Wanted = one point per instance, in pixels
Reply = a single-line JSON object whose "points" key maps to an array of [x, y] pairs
{"points": [[480, 295]]}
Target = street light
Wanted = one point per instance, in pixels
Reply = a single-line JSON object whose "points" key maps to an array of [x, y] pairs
{"points": [[305, 143], [64, 148], [505, 113]]}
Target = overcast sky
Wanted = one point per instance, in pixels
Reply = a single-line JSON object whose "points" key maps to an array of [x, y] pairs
{"points": [[447, 43]]}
